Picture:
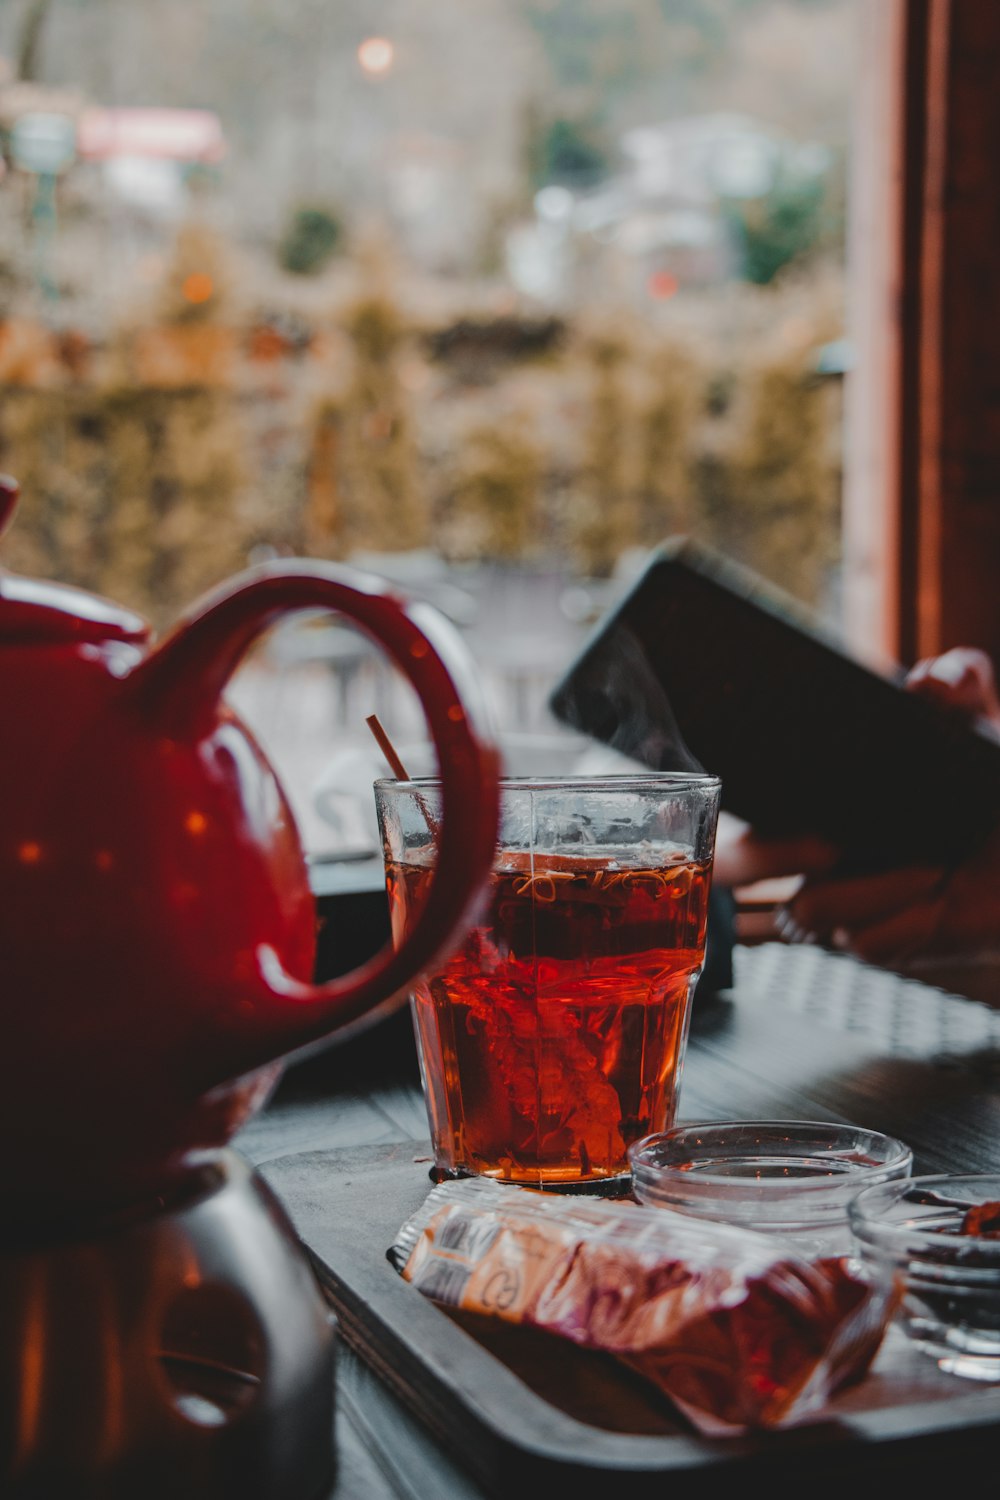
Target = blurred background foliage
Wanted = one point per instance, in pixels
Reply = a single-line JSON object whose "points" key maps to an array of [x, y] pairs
{"points": [[312, 237], [146, 472], [330, 342]]}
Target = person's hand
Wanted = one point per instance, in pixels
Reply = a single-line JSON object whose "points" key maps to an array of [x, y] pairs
{"points": [[902, 916], [962, 679], [899, 917], [743, 857]]}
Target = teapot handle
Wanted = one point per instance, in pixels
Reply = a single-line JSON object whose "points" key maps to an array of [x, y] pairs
{"points": [[181, 683]]}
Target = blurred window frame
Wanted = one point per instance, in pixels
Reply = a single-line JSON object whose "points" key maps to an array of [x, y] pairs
{"points": [[922, 442]]}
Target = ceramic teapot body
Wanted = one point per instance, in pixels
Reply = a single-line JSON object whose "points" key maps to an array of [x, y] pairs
{"points": [[157, 926]]}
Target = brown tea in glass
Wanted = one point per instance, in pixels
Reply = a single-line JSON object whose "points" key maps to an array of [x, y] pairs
{"points": [[553, 1036]]}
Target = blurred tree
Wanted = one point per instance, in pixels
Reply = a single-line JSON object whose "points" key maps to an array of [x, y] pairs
{"points": [[128, 491], [668, 430], [605, 522], [793, 220], [29, 48], [173, 526], [781, 512], [12, 281], [364, 486], [572, 155], [496, 493], [197, 286], [134, 472], [310, 240]]}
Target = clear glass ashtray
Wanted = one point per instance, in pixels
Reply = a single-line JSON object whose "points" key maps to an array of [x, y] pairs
{"points": [[941, 1237], [789, 1177]]}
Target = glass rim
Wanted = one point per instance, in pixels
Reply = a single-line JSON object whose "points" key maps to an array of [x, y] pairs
{"points": [[717, 1180], [870, 1211], [584, 782]]}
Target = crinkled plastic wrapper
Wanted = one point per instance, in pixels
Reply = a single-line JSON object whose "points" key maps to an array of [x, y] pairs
{"points": [[734, 1327]]}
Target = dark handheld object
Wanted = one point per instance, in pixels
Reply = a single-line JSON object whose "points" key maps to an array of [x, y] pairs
{"points": [[704, 664]]}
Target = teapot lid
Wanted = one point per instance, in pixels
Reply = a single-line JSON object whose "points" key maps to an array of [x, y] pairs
{"points": [[36, 612]]}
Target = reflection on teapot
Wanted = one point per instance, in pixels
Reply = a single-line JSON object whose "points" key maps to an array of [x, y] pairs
{"points": [[157, 927]]}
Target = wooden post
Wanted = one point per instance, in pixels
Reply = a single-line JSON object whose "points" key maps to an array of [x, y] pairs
{"points": [[922, 461], [958, 562]]}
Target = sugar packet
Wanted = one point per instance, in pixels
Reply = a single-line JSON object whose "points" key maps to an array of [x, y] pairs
{"points": [[734, 1327]]}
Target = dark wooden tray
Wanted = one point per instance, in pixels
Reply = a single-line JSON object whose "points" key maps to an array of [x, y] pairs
{"points": [[523, 1410], [865, 1046]]}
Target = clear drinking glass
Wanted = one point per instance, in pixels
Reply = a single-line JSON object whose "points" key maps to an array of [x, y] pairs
{"points": [[553, 1036]]}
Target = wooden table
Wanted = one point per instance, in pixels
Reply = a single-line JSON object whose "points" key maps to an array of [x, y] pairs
{"points": [[801, 1034]]}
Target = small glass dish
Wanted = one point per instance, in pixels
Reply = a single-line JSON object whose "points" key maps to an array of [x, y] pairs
{"points": [[922, 1231], [788, 1177]]}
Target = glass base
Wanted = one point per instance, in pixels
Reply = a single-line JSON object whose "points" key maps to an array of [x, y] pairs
{"points": [[971, 1353], [597, 1187], [971, 1366]]}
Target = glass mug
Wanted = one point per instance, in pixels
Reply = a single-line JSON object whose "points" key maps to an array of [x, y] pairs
{"points": [[553, 1036]]}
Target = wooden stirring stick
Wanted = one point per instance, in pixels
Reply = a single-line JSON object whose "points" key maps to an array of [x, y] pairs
{"points": [[388, 749]]}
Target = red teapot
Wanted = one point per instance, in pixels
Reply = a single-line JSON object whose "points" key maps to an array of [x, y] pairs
{"points": [[157, 926]]}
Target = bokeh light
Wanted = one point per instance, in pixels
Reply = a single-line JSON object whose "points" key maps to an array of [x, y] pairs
{"points": [[662, 284], [198, 287], [376, 54]]}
